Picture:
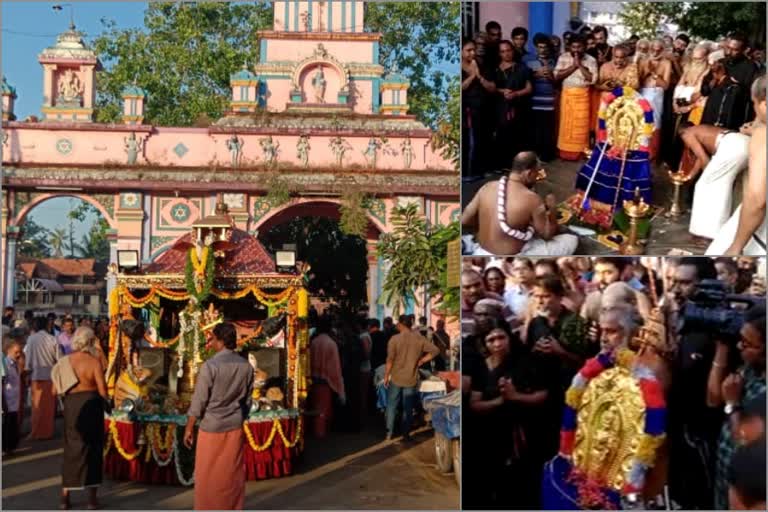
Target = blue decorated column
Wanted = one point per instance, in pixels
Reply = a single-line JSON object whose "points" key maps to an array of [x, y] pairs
{"points": [[539, 20]]}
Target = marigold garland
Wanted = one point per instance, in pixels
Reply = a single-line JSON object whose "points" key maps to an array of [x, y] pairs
{"points": [[277, 428], [193, 269], [116, 437]]}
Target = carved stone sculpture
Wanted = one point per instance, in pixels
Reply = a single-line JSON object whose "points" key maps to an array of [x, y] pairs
{"points": [[302, 150]]}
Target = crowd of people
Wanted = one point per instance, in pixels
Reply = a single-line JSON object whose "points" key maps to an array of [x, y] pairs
{"points": [[529, 325], [34, 346], [547, 101], [358, 361]]}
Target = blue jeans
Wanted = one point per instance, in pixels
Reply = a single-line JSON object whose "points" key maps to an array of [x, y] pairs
{"points": [[394, 392]]}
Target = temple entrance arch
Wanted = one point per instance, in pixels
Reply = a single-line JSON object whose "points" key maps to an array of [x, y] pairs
{"points": [[104, 203], [54, 261], [345, 267]]}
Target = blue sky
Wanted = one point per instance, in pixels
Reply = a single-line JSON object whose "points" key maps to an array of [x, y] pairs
{"points": [[28, 28]]}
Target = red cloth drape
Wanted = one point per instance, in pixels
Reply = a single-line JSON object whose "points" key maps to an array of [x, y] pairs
{"points": [[275, 461]]}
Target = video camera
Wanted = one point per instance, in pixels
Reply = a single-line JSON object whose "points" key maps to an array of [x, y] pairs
{"points": [[712, 309]]}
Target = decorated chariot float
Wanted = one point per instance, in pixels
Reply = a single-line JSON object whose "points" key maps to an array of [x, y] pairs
{"points": [[159, 319]]}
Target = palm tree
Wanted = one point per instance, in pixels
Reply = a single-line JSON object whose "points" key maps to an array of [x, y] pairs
{"points": [[58, 241]]}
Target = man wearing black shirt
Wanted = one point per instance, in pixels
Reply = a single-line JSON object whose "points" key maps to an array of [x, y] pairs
{"points": [[692, 427], [492, 39], [379, 341], [728, 94]]}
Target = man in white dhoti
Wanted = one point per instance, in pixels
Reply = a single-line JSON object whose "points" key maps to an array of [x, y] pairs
{"points": [[746, 230], [655, 77], [712, 197], [510, 218]]}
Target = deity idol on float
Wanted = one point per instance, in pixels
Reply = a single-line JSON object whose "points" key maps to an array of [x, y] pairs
{"points": [[613, 430], [619, 164]]}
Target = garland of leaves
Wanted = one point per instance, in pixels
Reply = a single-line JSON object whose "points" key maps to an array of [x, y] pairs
{"points": [[189, 277]]}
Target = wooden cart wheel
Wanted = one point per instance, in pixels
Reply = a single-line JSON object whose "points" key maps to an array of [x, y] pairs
{"points": [[456, 449], [443, 453]]}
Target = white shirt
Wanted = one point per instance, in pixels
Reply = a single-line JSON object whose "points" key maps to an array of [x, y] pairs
{"points": [[42, 352], [12, 386], [517, 297], [577, 79]]}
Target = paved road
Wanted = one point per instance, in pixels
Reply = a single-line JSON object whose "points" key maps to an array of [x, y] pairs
{"points": [[344, 471], [665, 234]]}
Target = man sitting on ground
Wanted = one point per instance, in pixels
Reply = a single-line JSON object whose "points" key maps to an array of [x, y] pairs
{"points": [[512, 219]]}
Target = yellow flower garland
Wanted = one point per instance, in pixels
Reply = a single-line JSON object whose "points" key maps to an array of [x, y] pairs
{"points": [[267, 299], [277, 428], [252, 441], [199, 265], [120, 449]]}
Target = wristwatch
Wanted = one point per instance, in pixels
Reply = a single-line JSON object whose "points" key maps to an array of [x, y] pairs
{"points": [[731, 408]]}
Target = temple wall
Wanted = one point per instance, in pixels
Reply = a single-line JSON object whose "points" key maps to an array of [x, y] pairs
{"points": [[196, 147], [295, 50]]}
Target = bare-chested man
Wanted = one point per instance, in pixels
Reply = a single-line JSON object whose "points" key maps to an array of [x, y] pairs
{"points": [[714, 190], [655, 78], [619, 72], [510, 218], [745, 232]]}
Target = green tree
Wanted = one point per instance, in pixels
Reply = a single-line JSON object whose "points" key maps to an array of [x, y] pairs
{"points": [[339, 268], [33, 240], [58, 242], [417, 257], [705, 20], [95, 244], [646, 18], [415, 35], [183, 58], [185, 53]]}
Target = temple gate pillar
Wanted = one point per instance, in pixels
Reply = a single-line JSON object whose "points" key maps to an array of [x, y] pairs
{"points": [[129, 216], [374, 279], [111, 277], [9, 284]]}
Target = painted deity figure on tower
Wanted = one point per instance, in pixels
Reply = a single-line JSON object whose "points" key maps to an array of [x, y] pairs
{"points": [[133, 148], [408, 153], [235, 146], [318, 84], [302, 150], [70, 87]]}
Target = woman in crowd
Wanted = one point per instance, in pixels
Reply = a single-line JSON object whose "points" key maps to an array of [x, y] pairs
{"points": [[513, 87], [494, 280], [475, 99], [83, 419], [738, 388]]}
